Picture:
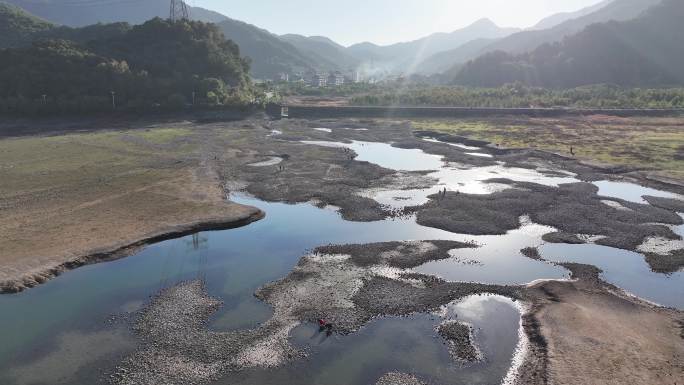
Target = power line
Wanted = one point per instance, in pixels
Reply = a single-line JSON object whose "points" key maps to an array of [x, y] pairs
{"points": [[179, 10]]}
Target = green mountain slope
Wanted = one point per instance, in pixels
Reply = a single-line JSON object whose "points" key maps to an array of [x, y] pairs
{"points": [[618, 10], [443, 61], [269, 54], [525, 41], [559, 18], [82, 13], [646, 51], [405, 57], [156, 64], [323, 52], [18, 27]]}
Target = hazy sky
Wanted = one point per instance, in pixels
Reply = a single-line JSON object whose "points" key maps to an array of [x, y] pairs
{"points": [[385, 21]]}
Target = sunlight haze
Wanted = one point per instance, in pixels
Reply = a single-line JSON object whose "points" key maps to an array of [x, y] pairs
{"points": [[385, 21]]}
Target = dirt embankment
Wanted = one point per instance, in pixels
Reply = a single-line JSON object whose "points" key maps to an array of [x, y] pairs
{"points": [[85, 198], [589, 330]]}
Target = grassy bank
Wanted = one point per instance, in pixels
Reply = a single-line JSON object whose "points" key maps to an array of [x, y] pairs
{"points": [[653, 144]]}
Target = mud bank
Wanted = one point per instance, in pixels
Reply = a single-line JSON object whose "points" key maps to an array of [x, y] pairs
{"points": [[247, 215], [625, 340], [459, 337], [175, 347], [399, 379]]}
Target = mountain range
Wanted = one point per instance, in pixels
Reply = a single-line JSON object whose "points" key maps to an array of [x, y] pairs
{"points": [[405, 57], [525, 41], [645, 51], [272, 54]]}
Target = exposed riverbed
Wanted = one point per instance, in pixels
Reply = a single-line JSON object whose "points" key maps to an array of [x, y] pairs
{"points": [[93, 306]]}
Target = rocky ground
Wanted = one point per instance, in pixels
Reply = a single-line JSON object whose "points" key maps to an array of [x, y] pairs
{"points": [[460, 339], [399, 379], [176, 348]]}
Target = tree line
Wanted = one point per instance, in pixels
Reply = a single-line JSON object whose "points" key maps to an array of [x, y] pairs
{"points": [[518, 95]]}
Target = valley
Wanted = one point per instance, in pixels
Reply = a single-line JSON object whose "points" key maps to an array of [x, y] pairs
{"points": [[305, 193]]}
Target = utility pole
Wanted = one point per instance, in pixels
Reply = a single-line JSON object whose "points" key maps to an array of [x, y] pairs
{"points": [[193, 98], [44, 99], [178, 10], [113, 100]]}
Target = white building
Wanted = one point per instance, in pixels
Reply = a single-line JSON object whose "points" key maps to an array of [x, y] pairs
{"points": [[319, 80], [335, 79]]}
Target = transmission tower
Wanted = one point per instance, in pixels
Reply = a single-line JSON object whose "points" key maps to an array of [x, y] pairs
{"points": [[179, 10]]}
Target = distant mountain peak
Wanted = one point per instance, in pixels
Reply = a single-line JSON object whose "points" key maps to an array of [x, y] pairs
{"points": [[484, 22]]}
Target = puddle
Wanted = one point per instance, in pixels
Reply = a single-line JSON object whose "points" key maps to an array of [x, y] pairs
{"points": [[389, 157], [322, 129], [625, 269], [74, 352], [497, 260], [457, 145], [467, 180], [272, 161], [406, 344], [679, 230], [481, 155], [631, 192]]}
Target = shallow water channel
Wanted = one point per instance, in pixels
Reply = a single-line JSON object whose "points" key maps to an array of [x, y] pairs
{"points": [[75, 328]]}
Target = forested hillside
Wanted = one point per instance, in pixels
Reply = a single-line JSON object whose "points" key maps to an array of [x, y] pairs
{"points": [[154, 65], [79, 13], [269, 54], [18, 27], [323, 51], [646, 51], [520, 96]]}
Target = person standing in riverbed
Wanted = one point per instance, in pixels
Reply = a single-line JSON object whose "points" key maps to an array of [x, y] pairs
{"points": [[325, 326]]}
